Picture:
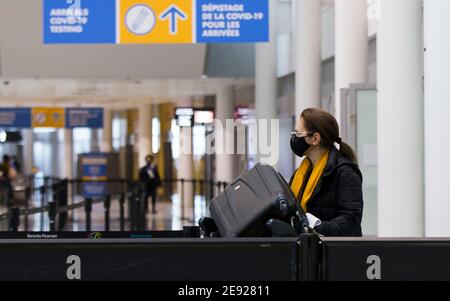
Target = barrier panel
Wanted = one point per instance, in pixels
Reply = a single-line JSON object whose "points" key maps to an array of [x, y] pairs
{"points": [[262, 259], [363, 259], [183, 255]]}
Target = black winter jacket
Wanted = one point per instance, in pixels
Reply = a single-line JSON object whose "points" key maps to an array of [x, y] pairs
{"points": [[151, 184], [337, 199]]}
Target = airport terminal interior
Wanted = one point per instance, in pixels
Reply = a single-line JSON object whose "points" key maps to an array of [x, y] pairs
{"points": [[324, 54], [135, 115]]}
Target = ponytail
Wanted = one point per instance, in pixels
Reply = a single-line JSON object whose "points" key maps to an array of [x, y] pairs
{"points": [[347, 151], [322, 122]]}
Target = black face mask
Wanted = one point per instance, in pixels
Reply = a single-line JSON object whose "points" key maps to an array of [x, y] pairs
{"points": [[299, 145]]}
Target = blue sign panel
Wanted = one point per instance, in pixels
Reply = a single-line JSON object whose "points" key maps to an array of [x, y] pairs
{"points": [[232, 21], [93, 168], [79, 21], [15, 118], [94, 190], [84, 117]]}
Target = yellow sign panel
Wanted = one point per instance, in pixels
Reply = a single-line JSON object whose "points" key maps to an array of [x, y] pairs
{"points": [[156, 21], [48, 117]]}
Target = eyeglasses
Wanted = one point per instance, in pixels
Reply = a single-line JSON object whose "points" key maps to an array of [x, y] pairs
{"points": [[301, 134]]}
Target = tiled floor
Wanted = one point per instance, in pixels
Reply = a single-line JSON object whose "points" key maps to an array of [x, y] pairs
{"points": [[170, 216]]}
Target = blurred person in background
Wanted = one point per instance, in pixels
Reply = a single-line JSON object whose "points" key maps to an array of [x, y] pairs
{"points": [[6, 174], [149, 176]]}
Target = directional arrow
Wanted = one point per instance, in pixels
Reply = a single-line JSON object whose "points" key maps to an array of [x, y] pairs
{"points": [[174, 14]]}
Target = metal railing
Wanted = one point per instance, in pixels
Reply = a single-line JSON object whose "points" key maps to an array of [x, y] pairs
{"points": [[55, 202]]}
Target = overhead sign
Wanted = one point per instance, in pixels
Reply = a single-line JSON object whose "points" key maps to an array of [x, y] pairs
{"points": [[84, 117], [8, 136], [184, 117], [25, 118], [15, 118], [79, 21], [156, 21], [47, 117], [228, 21], [243, 113], [204, 116]]}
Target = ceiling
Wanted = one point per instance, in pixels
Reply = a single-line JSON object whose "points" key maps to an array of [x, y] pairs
{"points": [[108, 93]]}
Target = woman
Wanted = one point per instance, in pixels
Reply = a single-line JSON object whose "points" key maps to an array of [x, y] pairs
{"points": [[328, 183]]}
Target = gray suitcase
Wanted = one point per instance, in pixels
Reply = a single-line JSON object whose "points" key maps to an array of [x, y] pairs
{"points": [[246, 205]]}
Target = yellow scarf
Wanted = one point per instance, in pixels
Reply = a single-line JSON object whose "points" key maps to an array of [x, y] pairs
{"points": [[299, 178]]}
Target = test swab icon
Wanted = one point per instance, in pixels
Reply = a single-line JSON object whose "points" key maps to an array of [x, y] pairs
{"points": [[139, 20]]}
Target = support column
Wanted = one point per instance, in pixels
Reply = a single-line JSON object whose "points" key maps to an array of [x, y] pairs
{"points": [[27, 156], [266, 95], [352, 47], [400, 119], [132, 144], [165, 158], [309, 55], [68, 154], [106, 145], [95, 141], [145, 133], [226, 167], [437, 112], [186, 159]]}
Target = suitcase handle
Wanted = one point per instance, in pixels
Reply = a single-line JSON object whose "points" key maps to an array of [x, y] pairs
{"points": [[283, 205]]}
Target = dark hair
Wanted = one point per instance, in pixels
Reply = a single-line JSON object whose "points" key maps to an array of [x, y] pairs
{"points": [[151, 157], [322, 122], [6, 158]]}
